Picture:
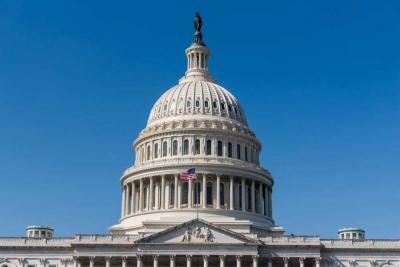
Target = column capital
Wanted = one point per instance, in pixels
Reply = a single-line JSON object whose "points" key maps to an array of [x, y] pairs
{"points": [[156, 256], [43, 260], [205, 257], [92, 258], [318, 260], [172, 257], [286, 260], [255, 257], [302, 259], [124, 258], [222, 257], [238, 257], [373, 263], [189, 257], [22, 261]]}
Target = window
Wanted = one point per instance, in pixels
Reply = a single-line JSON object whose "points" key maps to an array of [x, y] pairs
{"points": [[348, 235], [197, 147], [185, 190], [197, 103], [230, 150], [197, 190], [238, 151], [222, 194], [186, 147], [188, 104], [208, 149], [245, 154], [342, 236], [148, 152], [220, 148], [230, 108], [223, 106], [206, 104], [215, 105], [175, 148], [209, 193], [156, 150], [165, 149], [354, 235], [172, 194]]}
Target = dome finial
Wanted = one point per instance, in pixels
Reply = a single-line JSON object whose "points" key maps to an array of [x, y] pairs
{"points": [[198, 36]]}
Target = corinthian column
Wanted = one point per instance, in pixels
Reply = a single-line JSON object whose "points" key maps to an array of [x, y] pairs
{"points": [[151, 192], [141, 197], [231, 207], [176, 191], [163, 205], [133, 198], [123, 202], [190, 194]]}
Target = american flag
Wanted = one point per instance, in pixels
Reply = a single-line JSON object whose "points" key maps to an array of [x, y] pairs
{"points": [[188, 175]]}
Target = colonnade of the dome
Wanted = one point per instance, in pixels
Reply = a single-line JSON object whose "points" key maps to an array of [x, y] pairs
{"points": [[208, 191]]}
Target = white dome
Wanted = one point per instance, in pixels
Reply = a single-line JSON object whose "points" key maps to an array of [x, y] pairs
{"points": [[196, 98]]}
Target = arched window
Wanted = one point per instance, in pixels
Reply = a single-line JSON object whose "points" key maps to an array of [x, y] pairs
{"points": [[219, 148], [148, 152], [197, 147], [156, 150], [230, 108], [197, 190], [206, 104], [185, 190], [222, 194], [246, 158], [215, 105], [208, 149], [175, 148], [186, 147], [164, 149], [223, 106], [230, 150], [188, 104], [209, 193], [197, 103], [238, 151], [172, 194]]}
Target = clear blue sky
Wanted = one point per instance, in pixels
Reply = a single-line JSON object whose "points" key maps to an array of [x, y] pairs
{"points": [[319, 81]]}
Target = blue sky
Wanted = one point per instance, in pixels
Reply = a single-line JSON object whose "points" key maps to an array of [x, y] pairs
{"points": [[319, 81]]}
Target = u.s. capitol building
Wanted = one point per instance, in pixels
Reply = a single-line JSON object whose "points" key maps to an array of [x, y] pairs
{"points": [[223, 218]]}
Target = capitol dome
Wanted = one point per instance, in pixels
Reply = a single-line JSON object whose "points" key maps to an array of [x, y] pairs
{"points": [[197, 125], [191, 99]]}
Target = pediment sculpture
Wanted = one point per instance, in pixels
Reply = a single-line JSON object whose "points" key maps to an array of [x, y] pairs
{"points": [[198, 234]]}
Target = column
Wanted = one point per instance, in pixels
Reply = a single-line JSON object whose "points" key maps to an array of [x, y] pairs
{"points": [[127, 194], [301, 261], [317, 262], [253, 196], [141, 195], [76, 261], [243, 194], [176, 191], [255, 261], [205, 261], [133, 198], [179, 194], [260, 202], [188, 261], [239, 261], [190, 194], [155, 261], [171, 260], [43, 262], [123, 202], [231, 207], [266, 205], [124, 262], [163, 205], [91, 261], [151, 193], [139, 262], [204, 191], [222, 261], [285, 262], [218, 191], [108, 261], [269, 262]]}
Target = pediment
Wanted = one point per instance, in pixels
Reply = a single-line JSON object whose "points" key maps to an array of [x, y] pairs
{"points": [[196, 232]]}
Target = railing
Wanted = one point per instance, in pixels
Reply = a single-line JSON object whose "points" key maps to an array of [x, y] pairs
{"points": [[194, 160], [368, 243], [291, 239], [26, 241], [106, 238]]}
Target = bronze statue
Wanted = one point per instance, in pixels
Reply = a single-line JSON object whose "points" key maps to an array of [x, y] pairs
{"points": [[198, 36], [198, 23]]}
